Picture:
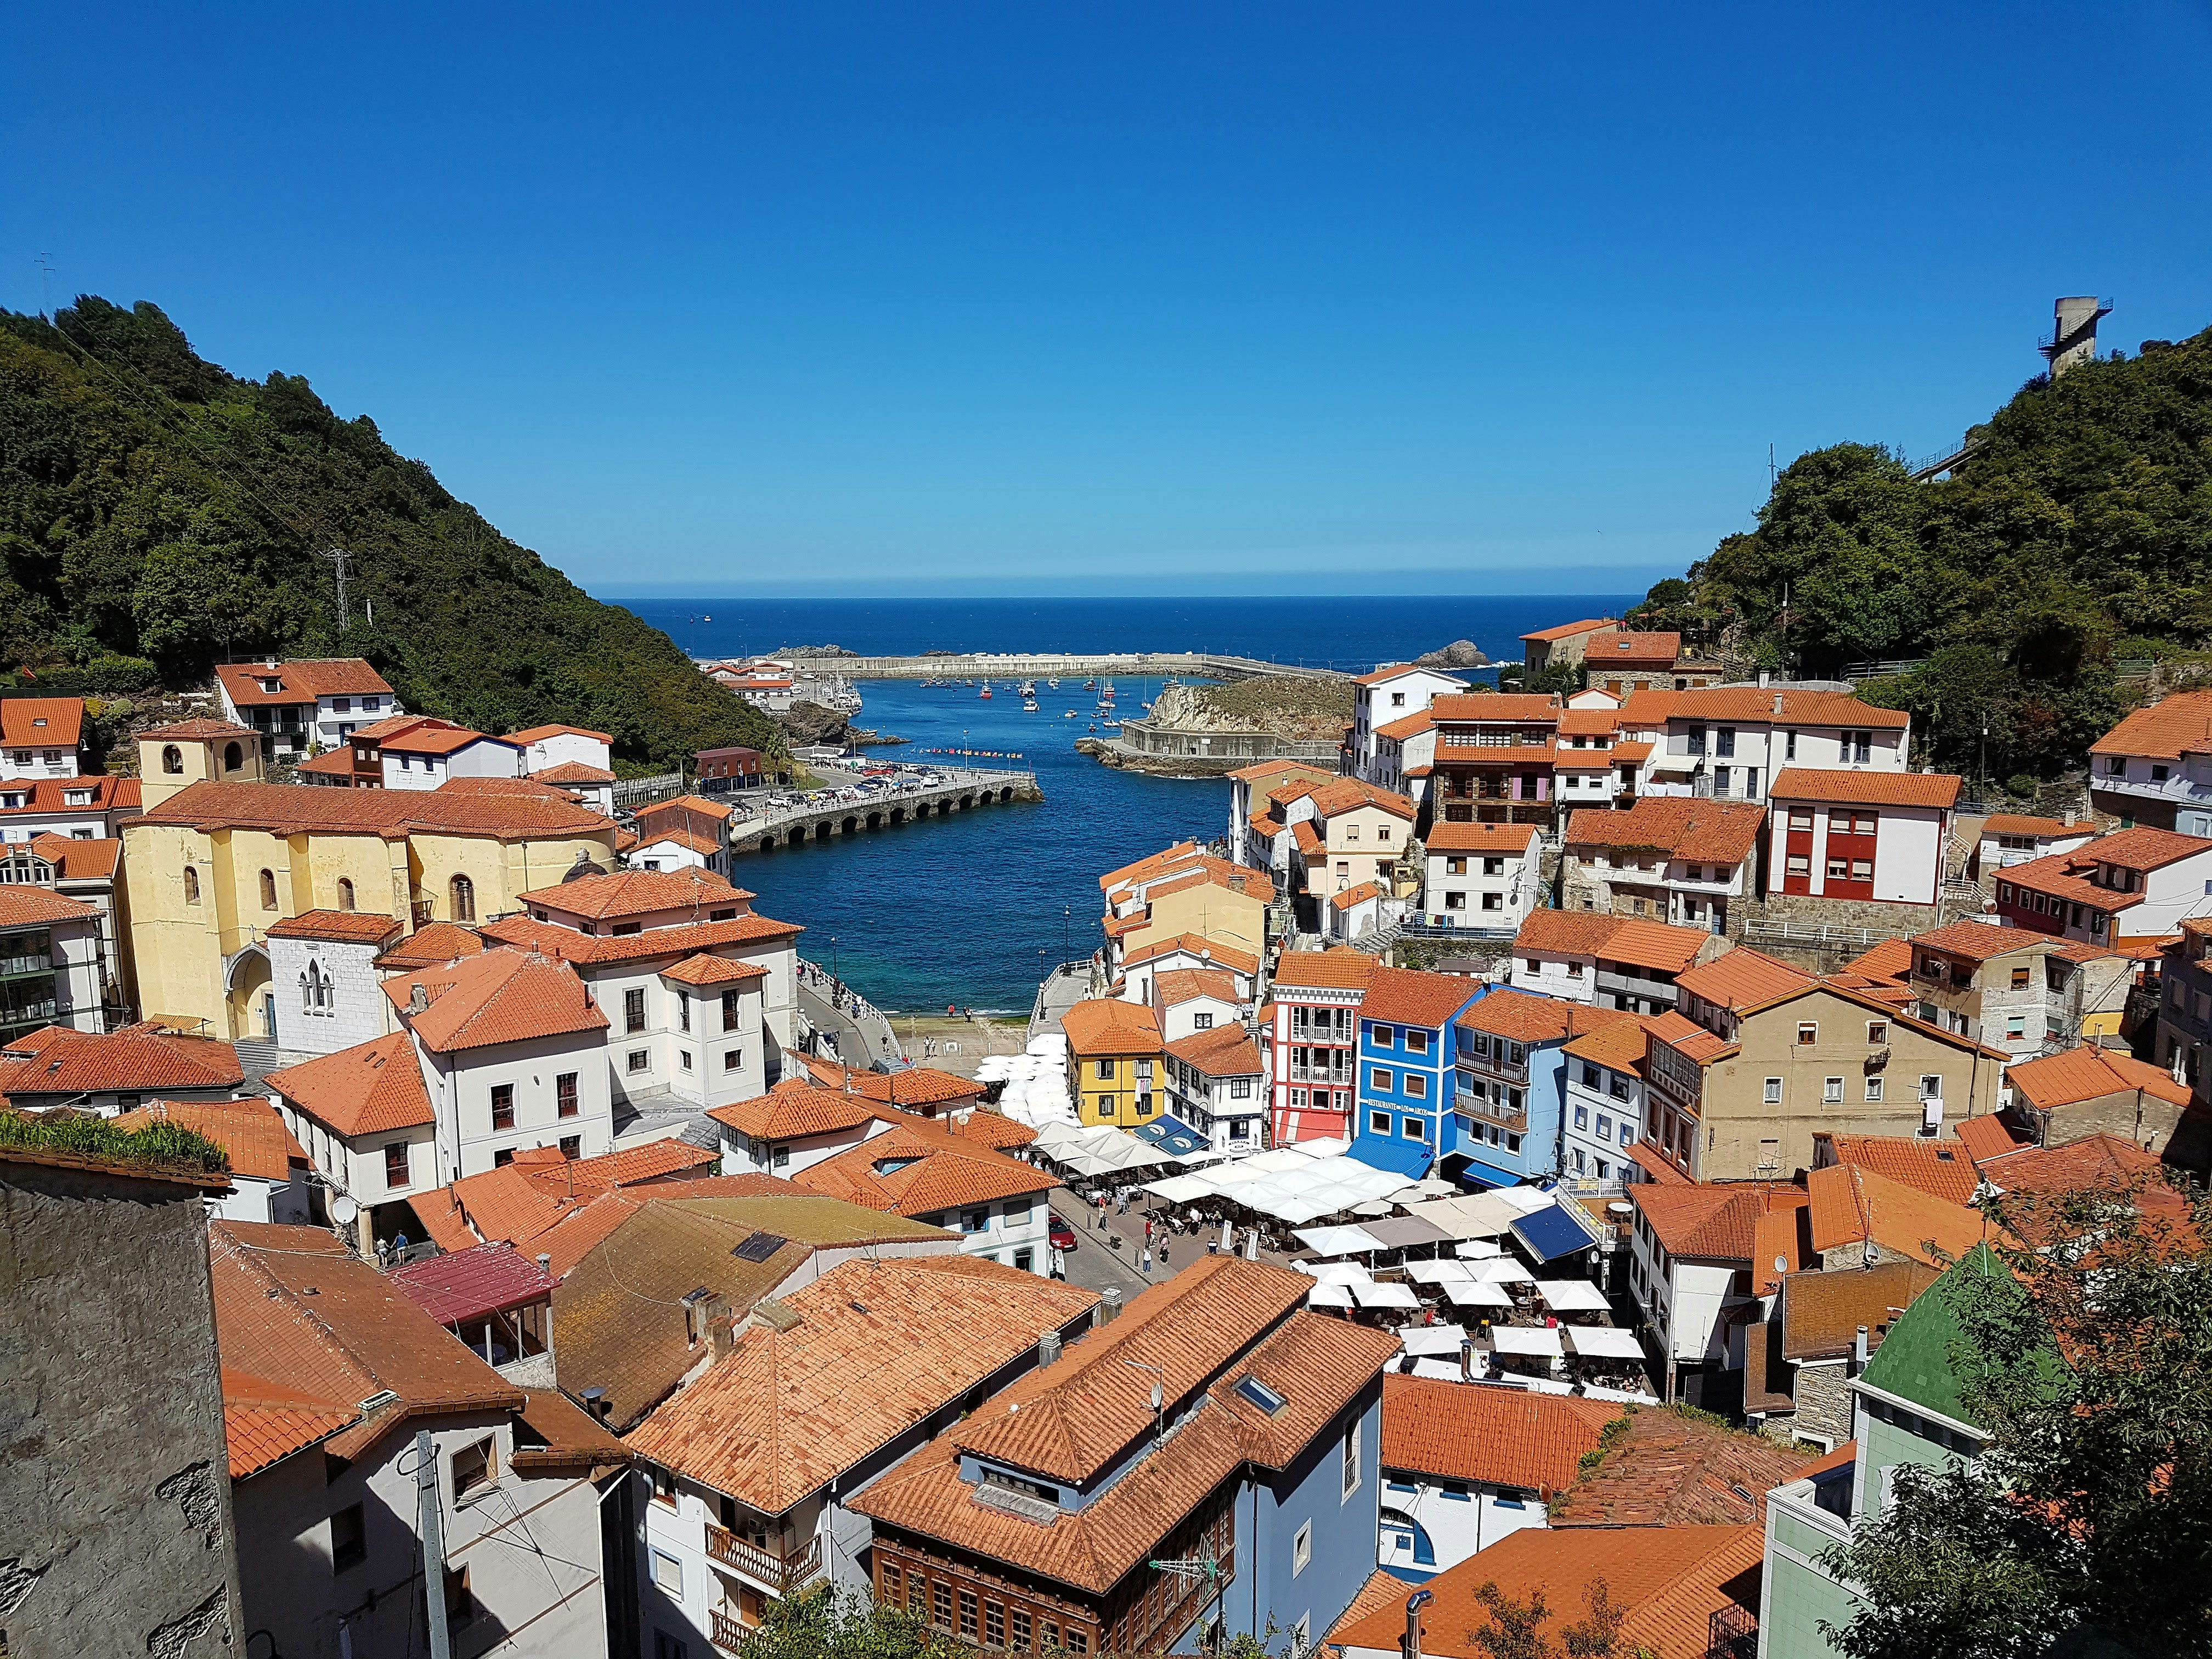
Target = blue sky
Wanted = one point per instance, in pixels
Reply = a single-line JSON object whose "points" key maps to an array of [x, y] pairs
{"points": [[1120, 299]]}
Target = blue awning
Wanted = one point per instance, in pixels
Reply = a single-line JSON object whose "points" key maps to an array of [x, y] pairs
{"points": [[1409, 1158], [1172, 1134], [1551, 1232], [1489, 1174]]}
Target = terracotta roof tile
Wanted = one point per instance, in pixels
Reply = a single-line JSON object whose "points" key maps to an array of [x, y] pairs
{"points": [[1495, 707], [1822, 1310], [1340, 968], [1743, 978], [250, 1131], [48, 795], [432, 945], [638, 892], [1501, 1437], [1224, 1051], [540, 734], [1103, 1025], [289, 809], [366, 1090], [2087, 1073], [499, 996], [705, 970], [1317, 1366], [551, 939], [1671, 1470], [1632, 650], [1929, 789], [879, 1346], [1712, 831], [41, 723], [1180, 984], [1718, 1223], [23, 904], [1230, 956], [917, 1168], [1753, 703], [1353, 898], [2176, 726], [1670, 1582], [337, 927], [1349, 794], [794, 1110], [1985, 1138], [2015, 824], [1938, 1168], [1409, 726], [1849, 1204], [1525, 1018], [1568, 630], [79, 861], [1511, 839], [142, 1059], [1411, 997]]}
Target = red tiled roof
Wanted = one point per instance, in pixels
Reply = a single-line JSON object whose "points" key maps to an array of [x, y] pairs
{"points": [[1978, 941], [1641, 944], [1103, 1025], [712, 971], [1409, 726], [1849, 1203], [1753, 703], [1890, 959], [142, 1059], [303, 680], [23, 904], [2015, 823], [1929, 789], [1494, 708], [1743, 978], [41, 723], [1568, 630], [1720, 1222], [2176, 726], [1711, 831], [1180, 984], [1632, 650], [1411, 997], [793, 1109], [1985, 1138], [638, 892], [250, 1131], [1589, 722], [43, 796], [1525, 1018], [336, 926], [1670, 1471], [916, 1169], [1351, 897], [499, 996], [1224, 1051], [1941, 1169], [551, 939], [432, 944], [1210, 951], [572, 772], [1349, 794], [1448, 836], [364, 1090], [471, 1284], [287, 809], [2088, 1073], [1500, 1436], [538, 733], [1340, 968]]}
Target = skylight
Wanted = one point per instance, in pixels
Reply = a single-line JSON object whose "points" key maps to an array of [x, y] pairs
{"points": [[1256, 1393], [759, 1247]]}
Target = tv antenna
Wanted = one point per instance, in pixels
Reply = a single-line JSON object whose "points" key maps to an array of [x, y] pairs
{"points": [[338, 555], [45, 264]]}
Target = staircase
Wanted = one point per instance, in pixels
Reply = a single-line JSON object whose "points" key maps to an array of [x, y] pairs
{"points": [[256, 1055]]}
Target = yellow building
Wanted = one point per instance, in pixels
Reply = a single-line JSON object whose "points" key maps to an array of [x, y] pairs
{"points": [[1184, 890], [1114, 1062], [219, 856]]}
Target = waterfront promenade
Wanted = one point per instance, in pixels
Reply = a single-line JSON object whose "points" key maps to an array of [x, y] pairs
{"points": [[823, 814]]}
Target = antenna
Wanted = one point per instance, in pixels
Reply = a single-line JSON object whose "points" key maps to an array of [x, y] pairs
{"points": [[338, 555], [45, 264]]}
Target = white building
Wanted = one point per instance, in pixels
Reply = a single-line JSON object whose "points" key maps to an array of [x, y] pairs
{"points": [[315, 702], [40, 737], [547, 746], [1405, 755], [323, 974], [329, 1376], [751, 1465], [1684, 861], [795, 1125], [1478, 875], [1879, 837], [423, 754], [1728, 741], [75, 809], [1190, 1000], [1705, 1260], [2133, 883], [1185, 952], [2010, 838], [1604, 1080], [2155, 768], [50, 961], [1217, 1085], [269, 1169], [1388, 695]]}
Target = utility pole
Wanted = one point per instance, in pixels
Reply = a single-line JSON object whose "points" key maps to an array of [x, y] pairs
{"points": [[338, 555], [433, 1527]]}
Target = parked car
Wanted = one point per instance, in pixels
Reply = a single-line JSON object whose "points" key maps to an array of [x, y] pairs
{"points": [[1061, 1234]]}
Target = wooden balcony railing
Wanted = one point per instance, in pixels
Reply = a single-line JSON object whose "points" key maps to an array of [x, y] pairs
{"points": [[729, 1634], [782, 1576]]}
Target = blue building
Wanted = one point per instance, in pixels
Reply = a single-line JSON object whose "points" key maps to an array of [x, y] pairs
{"points": [[1406, 1055], [1218, 1425], [1509, 1094]]}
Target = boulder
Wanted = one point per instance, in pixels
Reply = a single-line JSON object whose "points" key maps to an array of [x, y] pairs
{"points": [[1460, 654]]}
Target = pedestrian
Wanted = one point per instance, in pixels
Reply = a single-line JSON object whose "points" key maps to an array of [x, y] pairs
{"points": [[1164, 1252], [1148, 1264], [1148, 1230], [1124, 1195]]}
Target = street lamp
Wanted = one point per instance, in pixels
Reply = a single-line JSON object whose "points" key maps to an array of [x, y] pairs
{"points": [[833, 968]]}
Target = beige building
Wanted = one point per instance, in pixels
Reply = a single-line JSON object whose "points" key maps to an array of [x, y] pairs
{"points": [[1182, 892], [219, 856], [1779, 1056]]}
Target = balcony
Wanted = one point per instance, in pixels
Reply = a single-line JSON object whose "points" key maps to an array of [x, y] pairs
{"points": [[729, 1634], [783, 1576], [17, 967]]}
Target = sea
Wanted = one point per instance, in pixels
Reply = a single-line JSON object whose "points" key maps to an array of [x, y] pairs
{"points": [[972, 911]]}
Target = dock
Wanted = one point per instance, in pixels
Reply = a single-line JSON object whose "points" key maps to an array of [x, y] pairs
{"points": [[819, 819], [1038, 666]]}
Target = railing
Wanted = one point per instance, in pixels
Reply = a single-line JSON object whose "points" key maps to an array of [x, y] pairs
{"points": [[30, 964], [1732, 1633], [729, 1634], [1801, 932], [1410, 929], [784, 1574], [631, 791]]}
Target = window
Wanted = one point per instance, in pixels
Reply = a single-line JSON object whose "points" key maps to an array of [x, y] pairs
{"points": [[1455, 901], [1351, 1457], [1493, 866], [476, 1467], [1301, 1549], [1581, 1117], [2116, 766], [1415, 1128], [1838, 869], [968, 1613], [1808, 1032], [994, 1625], [668, 1574], [1873, 1089], [191, 885], [2159, 774], [345, 893], [173, 759], [1201, 1022], [732, 1059], [1240, 1088], [1831, 1091], [460, 1605], [395, 1164], [682, 1011], [464, 900], [729, 1011], [1801, 819], [564, 1095], [1877, 1031], [1378, 1078], [2016, 1027], [1799, 863], [1790, 746], [1773, 1095], [1105, 1105], [1861, 869], [503, 1158], [1021, 1629], [1105, 1069], [1616, 1085], [975, 1221], [1493, 901], [636, 1060], [572, 1147], [1931, 1086], [1379, 1122], [1862, 746], [502, 1105], [940, 1603], [349, 1538], [634, 1009]]}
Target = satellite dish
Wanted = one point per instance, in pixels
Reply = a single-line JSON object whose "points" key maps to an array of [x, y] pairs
{"points": [[345, 1211], [1157, 1399]]}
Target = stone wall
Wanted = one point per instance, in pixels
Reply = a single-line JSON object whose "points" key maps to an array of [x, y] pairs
{"points": [[115, 1522], [1824, 1401]]}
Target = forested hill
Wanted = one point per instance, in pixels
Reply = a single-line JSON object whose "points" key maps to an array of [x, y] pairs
{"points": [[2076, 538], [155, 509]]}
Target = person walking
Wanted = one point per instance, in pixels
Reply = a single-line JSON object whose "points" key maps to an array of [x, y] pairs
{"points": [[1147, 1268]]}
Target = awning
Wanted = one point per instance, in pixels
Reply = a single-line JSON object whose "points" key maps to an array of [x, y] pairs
{"points": [[1443, 1370], [1173, 1136], [1472, 1293], [1337, 1241], [1181, 1189], [1403, 1232], [1502, 1270], [1603, 1342], [1432, 1339], [1336, 1272], [1437, 1273], [1329, 1296], [1489, 1174], [1571, 1296], [1551, 1232], [1371, 1295], [1409, 1158], [1535, 1340]]}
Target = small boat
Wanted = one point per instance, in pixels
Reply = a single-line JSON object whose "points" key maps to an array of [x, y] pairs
{"points": [[986, 691], [1028, 688], [1110, 725], [1053, 683], [1090, 685], [1069, 715], [1029, 705]]}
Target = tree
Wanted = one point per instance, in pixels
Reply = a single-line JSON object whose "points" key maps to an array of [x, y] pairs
{"points": [[1516, 1629], [825, 1623], [2085, 1351]]}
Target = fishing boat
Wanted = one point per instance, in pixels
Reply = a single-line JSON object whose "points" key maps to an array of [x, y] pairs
{"points": [[1090, 685], [1054, 682], [1110, 725], [1029, 705], [986, 691], [1028, 688], [1069, 715]]}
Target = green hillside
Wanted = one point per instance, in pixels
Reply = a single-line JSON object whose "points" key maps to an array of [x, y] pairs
{"points": [[158, 515], [2077, 538]]}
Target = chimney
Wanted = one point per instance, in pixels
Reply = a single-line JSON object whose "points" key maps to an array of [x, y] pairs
{"points": [[1778, 702], [1414, 1603], [1048, 1347], [596, 1402], [1859, 1351], [1109, 1306], [418, 1000], [1762, 678], [546, 1265], [721, 1327]]}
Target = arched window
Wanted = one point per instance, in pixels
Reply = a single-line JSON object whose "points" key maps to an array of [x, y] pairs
{"points": [[232, 757], [316, 992], [172, 758], [307, 995], [191, 885], [465, 899], [345, 893], [268, 889]]}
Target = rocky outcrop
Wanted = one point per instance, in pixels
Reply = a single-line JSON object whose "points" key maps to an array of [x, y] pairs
{"points": [[1460, 654]]}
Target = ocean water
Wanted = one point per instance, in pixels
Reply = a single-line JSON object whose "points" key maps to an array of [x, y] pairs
{"points": [[972, 909]]}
